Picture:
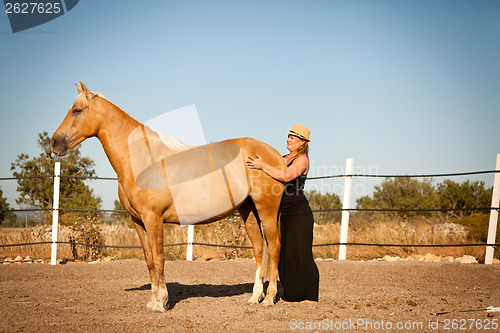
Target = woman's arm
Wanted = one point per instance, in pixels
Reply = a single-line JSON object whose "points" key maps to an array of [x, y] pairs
{"points": [[298, 167]]}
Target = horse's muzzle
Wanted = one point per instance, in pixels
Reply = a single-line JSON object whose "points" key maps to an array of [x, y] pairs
{"points": [[59, 145]]}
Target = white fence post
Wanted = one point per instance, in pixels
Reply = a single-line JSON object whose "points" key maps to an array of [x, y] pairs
{"points": [[189, 250], [495, 201], [55, 213], [346, 204]]}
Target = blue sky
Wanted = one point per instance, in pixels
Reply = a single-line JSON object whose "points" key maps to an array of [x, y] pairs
{"points": [[403, 87]]}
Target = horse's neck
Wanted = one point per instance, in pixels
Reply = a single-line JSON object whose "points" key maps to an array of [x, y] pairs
{"points": [[113, 134], [130, 145]]}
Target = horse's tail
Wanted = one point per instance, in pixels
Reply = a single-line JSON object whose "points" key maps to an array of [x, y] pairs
{"points": [[265, 264]]}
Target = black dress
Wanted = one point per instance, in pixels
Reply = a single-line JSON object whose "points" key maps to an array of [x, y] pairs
{"points": [[298, 272]]}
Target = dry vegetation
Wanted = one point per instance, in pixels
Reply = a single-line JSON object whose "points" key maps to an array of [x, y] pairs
{"points": [[382, 230]]}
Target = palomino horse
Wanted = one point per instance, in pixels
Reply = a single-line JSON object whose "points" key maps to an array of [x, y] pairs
{"points": [[162, 181]]}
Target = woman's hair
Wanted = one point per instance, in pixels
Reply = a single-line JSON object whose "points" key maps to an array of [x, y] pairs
{"points": [[304, 148]]}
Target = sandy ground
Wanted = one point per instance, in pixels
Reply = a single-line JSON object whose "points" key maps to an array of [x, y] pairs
{"points": [[210, 296]]}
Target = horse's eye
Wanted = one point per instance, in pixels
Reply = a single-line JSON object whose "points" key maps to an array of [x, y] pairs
{"points": [[77, 111]]}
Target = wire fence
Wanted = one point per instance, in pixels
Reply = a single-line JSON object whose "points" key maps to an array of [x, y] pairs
{"points": [[436, 175], [314, 211], [247, 247]]}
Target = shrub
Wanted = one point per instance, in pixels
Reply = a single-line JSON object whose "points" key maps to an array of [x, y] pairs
{"points": [[86, 230], [477, 226]]}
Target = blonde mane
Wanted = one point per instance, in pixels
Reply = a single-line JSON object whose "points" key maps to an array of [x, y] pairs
{"points": [[81, 99], [169, 141], [172, 143]]}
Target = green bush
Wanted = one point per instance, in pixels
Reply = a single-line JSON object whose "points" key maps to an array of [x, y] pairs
{"points": [[477, 226]]}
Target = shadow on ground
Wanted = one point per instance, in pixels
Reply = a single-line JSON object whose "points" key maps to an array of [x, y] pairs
{"points": [[178, 292]]}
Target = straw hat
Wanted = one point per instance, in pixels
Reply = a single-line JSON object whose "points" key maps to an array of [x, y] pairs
{"points": [[300, 132]]}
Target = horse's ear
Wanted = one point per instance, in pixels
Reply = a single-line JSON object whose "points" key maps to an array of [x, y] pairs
{"points": [[80, 90], [90, 95], [84, 88]]}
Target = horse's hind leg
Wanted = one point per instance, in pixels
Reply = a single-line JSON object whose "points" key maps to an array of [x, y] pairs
{"points": [[268, 213], [249, 215]]}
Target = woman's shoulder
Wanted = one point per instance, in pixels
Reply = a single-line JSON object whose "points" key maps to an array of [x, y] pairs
{"points": [[302, 158], [300, 161], [305, 160]]}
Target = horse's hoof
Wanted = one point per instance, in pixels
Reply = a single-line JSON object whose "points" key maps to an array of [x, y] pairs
{"points": [[158, 307], [256, 299], [151, 304], [155, 306], [268, 302], [253, 301]]}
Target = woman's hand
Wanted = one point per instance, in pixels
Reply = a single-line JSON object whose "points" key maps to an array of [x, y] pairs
{"points": [[298, 167], [256, 162]]}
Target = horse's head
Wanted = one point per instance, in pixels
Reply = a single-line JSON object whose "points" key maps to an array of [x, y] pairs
{"points": [[82, 121]]}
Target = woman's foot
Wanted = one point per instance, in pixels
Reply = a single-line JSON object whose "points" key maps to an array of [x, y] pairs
{"points": [[310, 302]]}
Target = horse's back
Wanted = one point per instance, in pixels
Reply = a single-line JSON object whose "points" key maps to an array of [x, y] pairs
{"points": [[251, 147], [263, 188], [210, 181]]}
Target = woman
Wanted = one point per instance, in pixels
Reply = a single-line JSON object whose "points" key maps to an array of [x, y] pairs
{"points": [[297, 270]]}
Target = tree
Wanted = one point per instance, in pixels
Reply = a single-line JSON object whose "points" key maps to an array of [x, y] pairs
{"points": [[38, 192], [401, 193], [4, 206], [452, 195], [319, 201]]}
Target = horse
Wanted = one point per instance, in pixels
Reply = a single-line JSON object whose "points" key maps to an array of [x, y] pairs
{"points": [[160, 180]]}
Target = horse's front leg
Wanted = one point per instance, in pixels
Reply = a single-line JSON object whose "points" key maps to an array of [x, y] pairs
{"points": [[148, 255], [159, 293], [150, 236]]}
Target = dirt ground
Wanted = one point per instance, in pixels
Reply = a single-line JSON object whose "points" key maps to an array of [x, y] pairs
{"points": [[210, 296]]}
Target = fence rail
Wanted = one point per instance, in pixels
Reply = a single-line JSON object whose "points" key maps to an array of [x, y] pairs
{"points": [[314, 210], [359, 175], [249, 247], [408, 176], [490, 244]]}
